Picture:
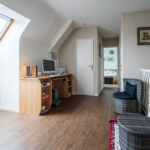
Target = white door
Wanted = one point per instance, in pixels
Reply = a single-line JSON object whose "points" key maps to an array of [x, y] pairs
{"points": [[84, 70]]}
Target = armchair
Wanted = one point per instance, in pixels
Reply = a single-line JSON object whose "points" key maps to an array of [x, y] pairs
{"points": [[126, 103]]}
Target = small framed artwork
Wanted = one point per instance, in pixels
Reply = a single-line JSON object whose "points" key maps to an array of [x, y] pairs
{"points": [[100, 50], [143, 36], [54, 55]]}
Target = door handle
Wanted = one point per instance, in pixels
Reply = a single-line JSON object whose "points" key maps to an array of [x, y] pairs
{"points": [[91, 66]]}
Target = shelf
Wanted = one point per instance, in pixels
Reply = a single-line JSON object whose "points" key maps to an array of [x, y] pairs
{"points": [[45, 97], [70, 86], [45, 86], [69, 94]]}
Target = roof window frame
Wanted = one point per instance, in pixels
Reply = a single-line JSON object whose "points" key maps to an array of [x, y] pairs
{"points": [[7, 26]]}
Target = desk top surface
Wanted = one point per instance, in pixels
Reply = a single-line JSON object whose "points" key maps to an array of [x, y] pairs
{"points": [[44, 77]]}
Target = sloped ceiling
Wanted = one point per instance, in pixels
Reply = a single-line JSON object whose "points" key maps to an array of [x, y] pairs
{"points": [[61, 36], [106, 14], [44, 24]]}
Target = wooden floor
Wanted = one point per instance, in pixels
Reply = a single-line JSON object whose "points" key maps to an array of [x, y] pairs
{"points": [[80, 123]]}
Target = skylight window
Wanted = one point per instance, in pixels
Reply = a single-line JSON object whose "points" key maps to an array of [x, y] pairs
{"points": [[5, 23]]}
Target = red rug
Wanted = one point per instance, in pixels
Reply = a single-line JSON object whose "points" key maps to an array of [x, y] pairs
{"points": [[114, 136]]}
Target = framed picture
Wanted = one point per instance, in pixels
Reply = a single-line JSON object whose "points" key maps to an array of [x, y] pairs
{"points": [[54, 55], [100, 50], [143, 36]]}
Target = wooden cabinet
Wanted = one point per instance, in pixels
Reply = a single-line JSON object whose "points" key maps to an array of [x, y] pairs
{"points": [[68, 87], [36, 93], [46, 95], [64, 85]]}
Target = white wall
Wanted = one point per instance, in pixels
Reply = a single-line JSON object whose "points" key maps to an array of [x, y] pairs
{"points": [[134, 57], [62, 35], [44, 25], [9, 61], [30, 48], [67, 54]]}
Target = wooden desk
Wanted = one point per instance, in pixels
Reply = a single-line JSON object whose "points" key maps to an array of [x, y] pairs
{"points": [[33, 95]]}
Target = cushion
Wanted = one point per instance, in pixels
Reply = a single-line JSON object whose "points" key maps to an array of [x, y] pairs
{"points": [[123, 95], [130, 89]]}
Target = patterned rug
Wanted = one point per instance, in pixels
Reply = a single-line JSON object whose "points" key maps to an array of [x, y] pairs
{"points": [[114, 136]]}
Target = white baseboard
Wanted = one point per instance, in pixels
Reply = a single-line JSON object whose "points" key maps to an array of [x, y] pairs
{"points": [[99, 91], [96, 94], [11, 109]]}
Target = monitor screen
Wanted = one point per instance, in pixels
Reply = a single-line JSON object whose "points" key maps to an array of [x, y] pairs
{"points": [[48, 66]]}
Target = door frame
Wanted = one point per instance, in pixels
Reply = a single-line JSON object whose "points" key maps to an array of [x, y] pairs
{"points": [[94, 64]]}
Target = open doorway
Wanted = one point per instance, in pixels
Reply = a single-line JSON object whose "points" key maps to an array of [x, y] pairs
{"points": [[111, 67]]}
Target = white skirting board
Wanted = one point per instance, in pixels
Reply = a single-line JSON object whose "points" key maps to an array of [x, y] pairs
{"points": [[89, 95], [11, 109]]}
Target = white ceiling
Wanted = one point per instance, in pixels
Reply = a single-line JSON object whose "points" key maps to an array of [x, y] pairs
{"points": [[105, 14]]}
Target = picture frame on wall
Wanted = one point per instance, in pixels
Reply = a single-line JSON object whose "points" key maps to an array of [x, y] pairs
{"points": [[143, 36], [54, 55], [100, 50]]}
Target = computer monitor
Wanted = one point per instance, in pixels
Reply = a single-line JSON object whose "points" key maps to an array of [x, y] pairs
{"points": [[48, 66]]}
